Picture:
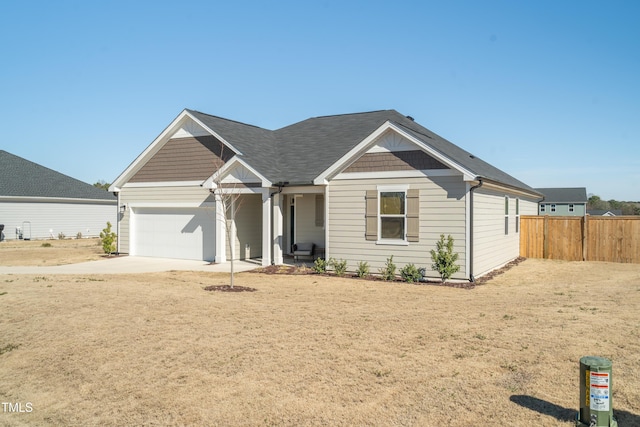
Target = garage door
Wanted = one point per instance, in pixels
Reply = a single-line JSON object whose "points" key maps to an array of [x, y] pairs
{"points": [[185, 233]]}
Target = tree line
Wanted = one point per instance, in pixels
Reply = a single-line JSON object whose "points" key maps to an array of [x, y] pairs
{"points": [[627, 208]]}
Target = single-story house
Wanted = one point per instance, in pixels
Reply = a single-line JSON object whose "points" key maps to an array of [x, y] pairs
{"points": [[39, 203], [360, 187], [604, 212], [563, 201]]}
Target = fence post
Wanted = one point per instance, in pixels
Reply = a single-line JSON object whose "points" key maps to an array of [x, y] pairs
{"points": [[585, 240], [545, 240]]}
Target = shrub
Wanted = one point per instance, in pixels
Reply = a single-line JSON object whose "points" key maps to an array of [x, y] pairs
{"points": [[339, 267], [79, 235], [319, 265], [444, 259], [410, 273], [389, 270], [46, 245], [61, 235], [363, 269], [108, 239]]}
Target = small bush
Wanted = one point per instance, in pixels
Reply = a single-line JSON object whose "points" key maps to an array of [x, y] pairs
{"points": [[389, 270], [444, 259], [108, 239], [61, 235], [339, 267], [79, 235], [46, 245], [410, 273], [363, 269], [319, 266]]}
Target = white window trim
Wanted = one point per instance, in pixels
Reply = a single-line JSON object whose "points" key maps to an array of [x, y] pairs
{"points": [[542, 207], [572, 207], [517, 215], [392, 189], [553, 207], [506, 215]]}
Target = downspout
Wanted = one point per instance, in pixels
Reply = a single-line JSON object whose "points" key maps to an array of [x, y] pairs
{"points": [[471, 278]]}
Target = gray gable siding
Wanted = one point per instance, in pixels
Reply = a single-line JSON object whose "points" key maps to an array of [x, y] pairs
{"points": [[394, 161], [202, 154], [21, 178]]}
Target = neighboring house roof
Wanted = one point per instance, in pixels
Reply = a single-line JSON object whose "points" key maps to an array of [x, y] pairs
{"points": [[564, 195], [21, 178], [604, 212], [299, 153]]}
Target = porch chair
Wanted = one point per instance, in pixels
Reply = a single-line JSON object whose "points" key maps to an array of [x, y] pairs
{"points": [[303, 249]]}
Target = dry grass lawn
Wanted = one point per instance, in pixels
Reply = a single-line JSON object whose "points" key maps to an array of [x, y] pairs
{"points": [[156, 349], [33, 253]]}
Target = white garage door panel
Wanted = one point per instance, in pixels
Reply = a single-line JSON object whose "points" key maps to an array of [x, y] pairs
{"points": [[184, 233]]}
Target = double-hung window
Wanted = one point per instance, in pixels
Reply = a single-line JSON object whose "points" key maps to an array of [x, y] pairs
{"points": [[392, 215], [393, 218], [571, 207], [506, 215], [517, 215]]}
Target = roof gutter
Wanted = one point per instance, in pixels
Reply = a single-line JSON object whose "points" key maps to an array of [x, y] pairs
{"points": [[475, 187]]}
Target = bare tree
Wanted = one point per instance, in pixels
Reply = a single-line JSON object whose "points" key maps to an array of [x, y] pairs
{"points": [[228, 202]]}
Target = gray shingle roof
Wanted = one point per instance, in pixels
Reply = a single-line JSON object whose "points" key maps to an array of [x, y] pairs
{"points": [[256, 144], [21, 178], [298, 153], [564, 195]]}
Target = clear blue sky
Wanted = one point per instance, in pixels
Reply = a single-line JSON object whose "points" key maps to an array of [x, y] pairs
{"points": [[548, 91]]}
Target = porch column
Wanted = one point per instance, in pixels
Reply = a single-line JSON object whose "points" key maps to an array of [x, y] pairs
{"points": [[277, 229], [266, 227], [221, 232]]}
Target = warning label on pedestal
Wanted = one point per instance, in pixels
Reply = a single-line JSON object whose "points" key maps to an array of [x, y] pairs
{"points": [[599, 391]]}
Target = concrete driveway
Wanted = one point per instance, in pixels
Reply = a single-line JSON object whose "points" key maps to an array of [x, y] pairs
{"points": [[131, 264]]}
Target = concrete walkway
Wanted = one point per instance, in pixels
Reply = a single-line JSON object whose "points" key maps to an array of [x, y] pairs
{"points": [[131, 264]]}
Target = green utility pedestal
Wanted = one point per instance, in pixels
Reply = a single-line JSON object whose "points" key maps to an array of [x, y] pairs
{"points": [[596, 405]]}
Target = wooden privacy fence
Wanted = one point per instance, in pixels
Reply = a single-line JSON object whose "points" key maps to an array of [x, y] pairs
{"points": [[571, 238]]}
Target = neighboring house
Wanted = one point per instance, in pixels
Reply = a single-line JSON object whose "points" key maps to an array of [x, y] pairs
{"points": [[39, 203], [604, 212], [563, 201], [361, 187]]}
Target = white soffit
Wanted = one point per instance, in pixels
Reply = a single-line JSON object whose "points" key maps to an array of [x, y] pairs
{"points": [[189, 128], [236, 170], [240, 174], [392, 142]]}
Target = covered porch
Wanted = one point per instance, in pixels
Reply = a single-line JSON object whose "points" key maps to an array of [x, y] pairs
{"points": [[265, 223]]}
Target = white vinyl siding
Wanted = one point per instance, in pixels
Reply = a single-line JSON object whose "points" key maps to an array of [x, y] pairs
{"points": [[48, 218], [492, 247], [248, 241], [441, 211], [193, 196]]}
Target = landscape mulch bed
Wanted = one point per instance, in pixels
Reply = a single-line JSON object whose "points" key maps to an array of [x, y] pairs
{"points": [[295, 270]]}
